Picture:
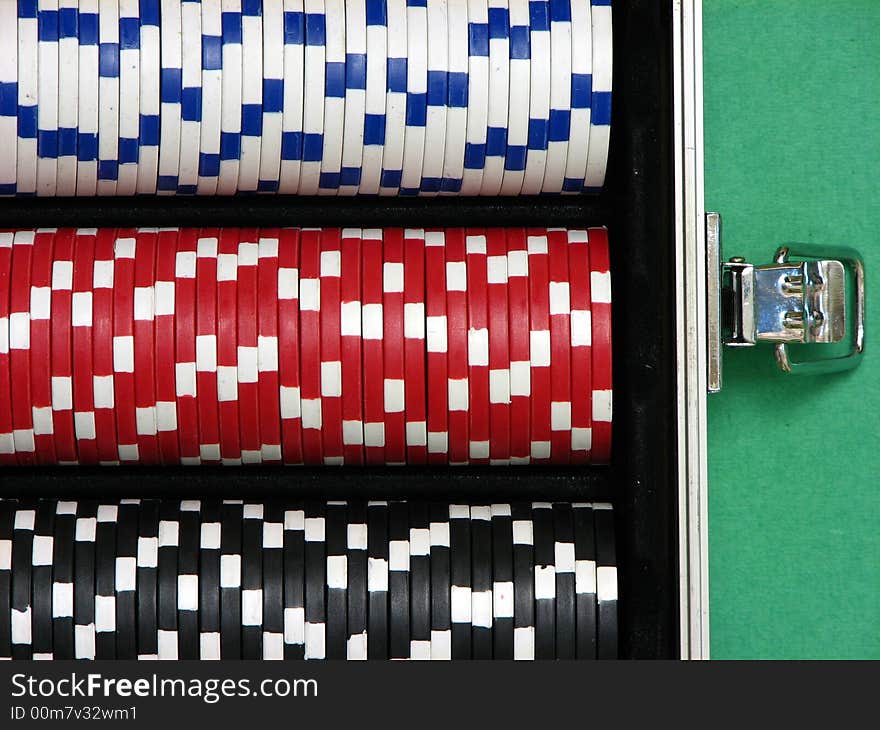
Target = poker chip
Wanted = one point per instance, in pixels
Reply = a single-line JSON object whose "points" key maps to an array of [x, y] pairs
{"points": [[63, 579], [191, 97], [581, 97], [124, 381], [165, 579], [42, 568], [373, 335], [351, 346], [539, 97], [286, 347], [478, 347], [478, 97], [20, 348], [560, 347], [21, 615], [420, 580], [437, 98], [230, 97], [399, 631], [460, 573], [171, 95], [294, 96], [273, 582], [206, 360], [129, 96], [150, 97], [416, 97], [357, 593], [332, 436], [188, 549], [227, 346], [600, 295], [105, 581], [559, 127], [186, 377], [519, 347], [377, 579], [9, 99], [520, 97], [456, 101], [334, 97], [28, 95], [581, 344], [88, 99], [585, 580], [337, 580], [600, 122], [164, 324], [148, 580], [499, 97], [248, 354], [376, 86], [166, 575], [499, 348], [7, 440], [414, 347], [482, 598], [103, 282], [126, 578], [212, 89], [251, 95], [395, 98], [231, 525], [394, 312], [82, 323], [606, 582], [252, 581], [545, 581], [539, 346], [144, 329], [436, 343], [273, 96], [564, 563], [315, 581], [210, 566], [441, 582], [294, 587], [355, 96], [47, 90], [84, 579], [68, 78], [310, 345], [40, 318], [108, 97], [458, 391], [313, 97], [503, 590]]}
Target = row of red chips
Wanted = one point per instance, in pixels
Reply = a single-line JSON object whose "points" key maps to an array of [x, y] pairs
{"points": [[330, 346]]}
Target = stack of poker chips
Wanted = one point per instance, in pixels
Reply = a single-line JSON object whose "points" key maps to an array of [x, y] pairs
{"points": [[334, 97], [305, 346], [147, 579]]}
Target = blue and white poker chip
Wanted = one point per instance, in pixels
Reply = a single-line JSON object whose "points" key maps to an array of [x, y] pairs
{"points": [[600, 124], [68, 109], [212, 98], [148, 143], [108, 96], [171, 96], [478, 97], [520, 98], [230, 102], [334, 97], [395, 100], [355, 96], [416, 97], [190, 97], [88, 103], [47, 89], [273, 96], [251, 95], [294, 95], [560, 95], [438, 84], [313, 97], [499, 97], [539, 97], [581, 97], [374, 117], [129, 96], [457, 103], [8, 97]]}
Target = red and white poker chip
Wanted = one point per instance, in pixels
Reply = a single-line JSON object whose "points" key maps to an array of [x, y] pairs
{"points": [[331, 346], [287, 290], [145, 346], [310, 345], [458, 392], [478, 346], [519, 349], [227, 346], [351, 350], [41, 345], [499, 347], [539, 344], [600, 294], [103, 381], [7, 441], [185, 331], [248, 347], [372, 334], [82, 369], [267, 347], [61, 365], [394, 355], [124, 251], [436, 338], [207, 247], [164, 301], [581, 346], [414, 347], [560, 346], [20, 347]]}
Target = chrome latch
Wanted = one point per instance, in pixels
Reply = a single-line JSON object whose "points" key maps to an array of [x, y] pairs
{"points": [[800, 298]]}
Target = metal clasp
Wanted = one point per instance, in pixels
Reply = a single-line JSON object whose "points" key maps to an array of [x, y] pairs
{"points": [[800, 298]]}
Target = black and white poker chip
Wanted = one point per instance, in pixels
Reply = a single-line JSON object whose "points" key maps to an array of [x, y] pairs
{"points": [[503, 608], [606, 581], [210, 539], [420, 580], [294, 585], [545, 581], [460, 593], [523, 582], [188, 579], [337, 580], [126, 579], [41, 577], [147, 580], [377, 580], [252, 581], [273, 581], [63, 580], [230, 579], [7, 520], [22, 550], [585, 580], [169, 540], [356, 544], [105, 581], [315, 581], [84, 579], [564, 564], [441, 617], [481, 581], [398, 579]]}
